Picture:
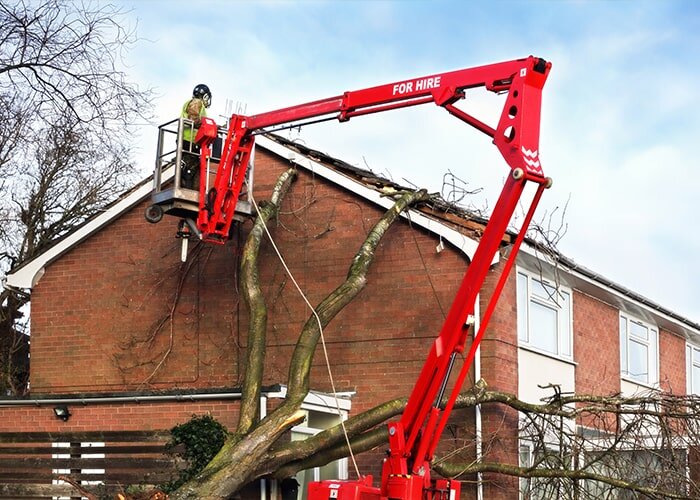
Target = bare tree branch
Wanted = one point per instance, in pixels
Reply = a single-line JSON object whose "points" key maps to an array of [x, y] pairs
{"points": [[66, 107], [257, 309]]}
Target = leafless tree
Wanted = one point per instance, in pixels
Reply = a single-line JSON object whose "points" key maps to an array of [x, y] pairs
{"points": [[594, 446], [65, 58], [66, 107]]}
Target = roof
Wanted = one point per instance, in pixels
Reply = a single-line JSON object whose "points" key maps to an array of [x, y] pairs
{"points": [[363, 183], [456, 225]]}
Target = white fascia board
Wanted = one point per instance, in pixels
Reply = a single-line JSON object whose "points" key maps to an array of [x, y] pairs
{"points": [[463, 243], [325, 402], [319, 400], [28, 275]]}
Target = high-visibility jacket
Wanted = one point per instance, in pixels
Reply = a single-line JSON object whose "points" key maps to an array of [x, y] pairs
{"points": [[194, 109]]}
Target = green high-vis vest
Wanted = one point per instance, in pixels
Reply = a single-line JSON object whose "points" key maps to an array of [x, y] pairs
{"points": [[194, 109]]}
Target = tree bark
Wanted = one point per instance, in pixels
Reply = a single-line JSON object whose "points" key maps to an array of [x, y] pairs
{"points": [[300, 366], [257, 308], [458, 470], [330, 444]]}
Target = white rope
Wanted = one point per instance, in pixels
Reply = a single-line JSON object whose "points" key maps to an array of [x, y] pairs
{"points": [[320, 329]]}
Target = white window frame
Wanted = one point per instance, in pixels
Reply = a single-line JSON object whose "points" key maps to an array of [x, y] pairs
{"points": [[527, 447], [652, 345], [560, 300], [525, 459], [692, 360], [318, 403]]}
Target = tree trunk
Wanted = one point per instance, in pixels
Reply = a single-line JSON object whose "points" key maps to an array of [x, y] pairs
{"points": [[257, 308]]}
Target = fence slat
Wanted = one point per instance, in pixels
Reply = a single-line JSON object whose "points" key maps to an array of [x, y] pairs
{"points": [[68, 437], [128, 458], [107, 449]]}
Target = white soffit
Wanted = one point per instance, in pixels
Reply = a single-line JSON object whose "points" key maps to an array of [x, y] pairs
{"points": [[28, 275]]}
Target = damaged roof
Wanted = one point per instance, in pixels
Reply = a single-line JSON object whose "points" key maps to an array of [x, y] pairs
{"points": [[437, 207], [463, 232]]}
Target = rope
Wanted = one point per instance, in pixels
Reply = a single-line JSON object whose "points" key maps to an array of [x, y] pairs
{"points": [[320, 329]]}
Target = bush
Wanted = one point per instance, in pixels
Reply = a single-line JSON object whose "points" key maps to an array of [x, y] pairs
{"points": [[202, 437]]}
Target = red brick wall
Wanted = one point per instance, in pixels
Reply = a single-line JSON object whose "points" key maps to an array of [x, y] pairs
{"points": [[596, 345], [96, 308], [672, 376], [499, 368], [115, 416], [499, 348]]}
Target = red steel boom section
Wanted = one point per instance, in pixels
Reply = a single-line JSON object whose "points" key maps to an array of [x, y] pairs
{"points": [[414, 438], [516, 135]]}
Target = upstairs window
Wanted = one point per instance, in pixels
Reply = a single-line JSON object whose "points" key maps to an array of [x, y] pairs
{"points": [[639, 350], [692, 370], [544, 316]]}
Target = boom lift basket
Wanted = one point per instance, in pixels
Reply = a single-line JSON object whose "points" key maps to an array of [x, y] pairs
{"points": [[171, 194]]}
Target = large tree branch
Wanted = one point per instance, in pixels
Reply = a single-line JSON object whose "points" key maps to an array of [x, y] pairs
{"points": [[300, 365], [232, 467], [257, 309], [235, 465], [364, 442], [330, 445]]}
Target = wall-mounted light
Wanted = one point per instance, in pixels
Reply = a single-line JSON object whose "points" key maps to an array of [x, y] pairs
{"points": [[62, 412]]}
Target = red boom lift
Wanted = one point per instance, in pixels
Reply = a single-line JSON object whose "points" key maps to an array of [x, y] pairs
{"points": [[414, 438]]}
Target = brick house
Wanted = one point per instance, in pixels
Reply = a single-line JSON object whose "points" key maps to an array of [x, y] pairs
{"points": [[101, 295]]}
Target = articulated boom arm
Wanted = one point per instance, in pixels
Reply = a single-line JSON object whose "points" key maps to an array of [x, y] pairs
{"points": [[414, 438], [516, 135]]}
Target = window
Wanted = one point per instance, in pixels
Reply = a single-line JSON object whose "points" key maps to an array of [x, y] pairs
{"points": [[653, 468], [544, 316], [639, 351], [548, 458], [692, 372], [318, 419]]}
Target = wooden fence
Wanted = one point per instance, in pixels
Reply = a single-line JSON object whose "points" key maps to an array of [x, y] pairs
{"points": [[103, 462]]}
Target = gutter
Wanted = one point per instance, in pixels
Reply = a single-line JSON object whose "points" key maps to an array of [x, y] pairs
{"points": [[270, 392], [478, 424], [85, 401], [573, 267]]}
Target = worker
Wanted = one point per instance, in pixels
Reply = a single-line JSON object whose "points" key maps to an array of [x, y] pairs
{"points": [[194, 110]]}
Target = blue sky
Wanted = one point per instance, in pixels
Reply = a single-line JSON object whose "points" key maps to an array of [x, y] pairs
{"points": [[619, 126]]}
